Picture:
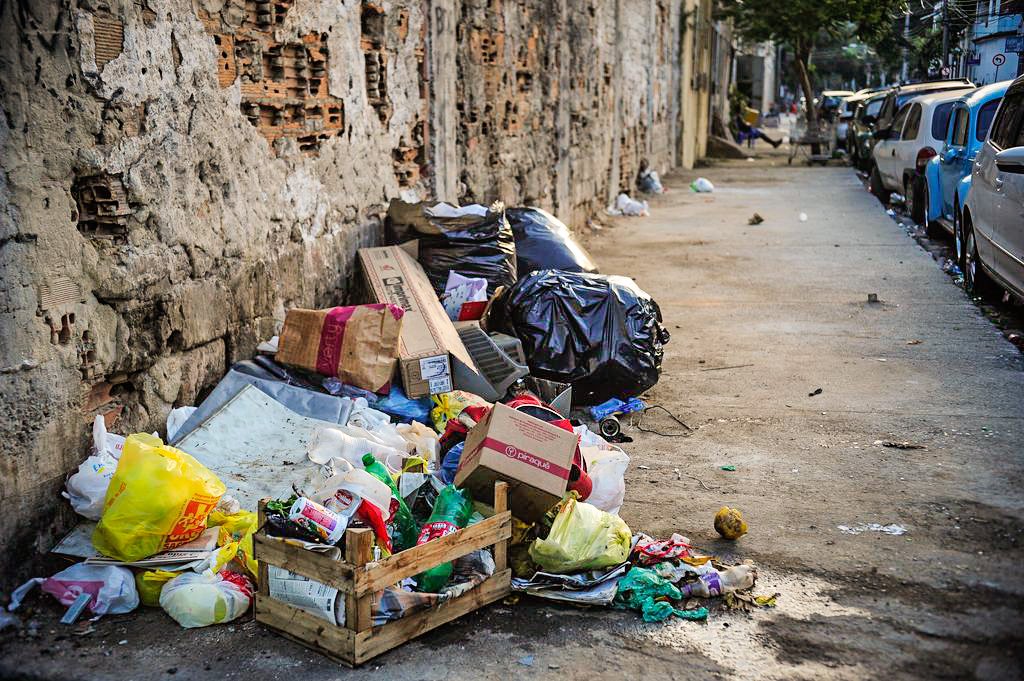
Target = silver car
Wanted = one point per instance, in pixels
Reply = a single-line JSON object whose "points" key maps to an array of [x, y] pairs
{"points": [[993, 220]]}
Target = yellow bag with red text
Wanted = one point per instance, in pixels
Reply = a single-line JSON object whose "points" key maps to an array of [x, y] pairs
{"points": [[158, 499]]}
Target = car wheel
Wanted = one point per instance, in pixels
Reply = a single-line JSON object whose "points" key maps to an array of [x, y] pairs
{"points": [[876, 187], [933, 228], [912, 190], [976, 282]]}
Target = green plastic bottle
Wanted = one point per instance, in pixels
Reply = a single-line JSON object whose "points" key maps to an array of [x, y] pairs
{"points": [[406, 532], [451, 513]]}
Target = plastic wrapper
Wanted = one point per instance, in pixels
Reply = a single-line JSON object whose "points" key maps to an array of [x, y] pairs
{"points": [[159, 499], [647, 592], [602, 334], [582, 537], [201, 600], [472, 240], [543, 242], [86, 489], [112, 589], [606, 466]]}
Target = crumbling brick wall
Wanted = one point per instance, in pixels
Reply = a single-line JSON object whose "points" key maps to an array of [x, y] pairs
{"points": [[177, 173]]}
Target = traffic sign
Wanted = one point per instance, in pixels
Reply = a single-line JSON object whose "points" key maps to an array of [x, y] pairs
{"points": [[998, 59]]}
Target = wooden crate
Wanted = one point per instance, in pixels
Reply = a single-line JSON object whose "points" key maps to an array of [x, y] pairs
{"points": [[358, 578]]}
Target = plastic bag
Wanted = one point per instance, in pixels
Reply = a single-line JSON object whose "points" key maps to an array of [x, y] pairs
{"points": [[424, 439], [472, 240], [404, 409], [602, 334], [644, 590], [448, 406], [626, 206], [201, 600], [150, 584], [582, 537], [87, 488], [112, 588], [606, 465], [159, 498], [702, 185], [543, 242], [649, 182], [235, 536]]}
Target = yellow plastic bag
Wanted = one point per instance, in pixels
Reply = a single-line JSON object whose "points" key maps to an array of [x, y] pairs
{"points": [[583, 537], [150, 583], [158, 499], [449, 405], [235, 538]]}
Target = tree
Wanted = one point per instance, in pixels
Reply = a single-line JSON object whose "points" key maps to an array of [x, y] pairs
{"points": [[802, 24]]}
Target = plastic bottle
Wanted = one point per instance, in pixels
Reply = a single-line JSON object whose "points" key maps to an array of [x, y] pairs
{"points": [[401, 517], [451, 513], [715, 583]]}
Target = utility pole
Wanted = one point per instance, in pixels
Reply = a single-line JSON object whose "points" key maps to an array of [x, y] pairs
{"points": [[945, 35], [905, 68]]}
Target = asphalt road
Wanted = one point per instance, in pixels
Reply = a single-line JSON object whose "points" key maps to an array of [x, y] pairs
{"points": [[761, 316]]}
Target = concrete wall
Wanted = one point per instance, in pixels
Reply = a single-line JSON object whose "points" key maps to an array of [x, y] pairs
{"points": [[176, 174]]}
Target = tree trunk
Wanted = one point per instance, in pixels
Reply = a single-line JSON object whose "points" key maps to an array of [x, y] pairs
{"points": [[803, 58]]}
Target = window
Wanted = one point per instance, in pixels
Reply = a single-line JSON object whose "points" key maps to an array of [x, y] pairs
{"points": [[958, 137], [913, 124], [940, 120], [873, 107], [985, 114], [1008, 122]]}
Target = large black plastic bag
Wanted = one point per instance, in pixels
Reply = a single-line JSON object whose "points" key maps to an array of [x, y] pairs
{"points": [[472, 245], [543, 242], [602, 334]]}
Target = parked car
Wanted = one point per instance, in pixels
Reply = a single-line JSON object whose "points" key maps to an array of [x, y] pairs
{"points": [[858, 134], [948, 175], [847, 111], [919, 131], [993, 213], [896, 97], [829, 103]]}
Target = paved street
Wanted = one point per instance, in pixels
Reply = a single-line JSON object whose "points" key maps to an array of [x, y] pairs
{"points": [[761, 316]]}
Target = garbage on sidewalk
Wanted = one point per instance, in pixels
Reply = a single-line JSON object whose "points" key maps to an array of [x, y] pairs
{"points": [[626, 206], [702, 185], [378, 469]]}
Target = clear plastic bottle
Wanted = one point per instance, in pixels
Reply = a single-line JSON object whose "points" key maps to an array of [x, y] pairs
{"points": [[715, 583]]}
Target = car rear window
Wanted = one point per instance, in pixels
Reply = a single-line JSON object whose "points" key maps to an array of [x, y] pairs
{"points": [[940, 120], [985, 115], [873, 106]]}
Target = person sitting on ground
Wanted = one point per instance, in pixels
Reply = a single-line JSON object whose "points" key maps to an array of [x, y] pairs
{"points": [[745, 132]]}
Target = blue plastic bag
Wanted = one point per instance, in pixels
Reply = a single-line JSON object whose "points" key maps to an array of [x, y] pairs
{"points": [[451, 463]]}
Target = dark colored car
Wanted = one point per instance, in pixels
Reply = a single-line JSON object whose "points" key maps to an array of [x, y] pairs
{"points": [[900, 95], [858, 133]]}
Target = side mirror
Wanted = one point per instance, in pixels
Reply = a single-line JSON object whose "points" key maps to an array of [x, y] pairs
{"points": [[1011, 160], [869, 120], [951, 154]]}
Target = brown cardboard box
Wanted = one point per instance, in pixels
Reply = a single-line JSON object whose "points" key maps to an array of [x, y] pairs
{"points": [[358, 344], [429, 343], [534, 457]]}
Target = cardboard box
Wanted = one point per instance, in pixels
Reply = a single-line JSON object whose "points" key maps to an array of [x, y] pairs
{"points": [[429, 349], [532, 456]]}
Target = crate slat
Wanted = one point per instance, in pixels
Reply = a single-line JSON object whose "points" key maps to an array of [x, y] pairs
{"points": [[412, 562], [373, 642], [309, 564], [306, 628]]}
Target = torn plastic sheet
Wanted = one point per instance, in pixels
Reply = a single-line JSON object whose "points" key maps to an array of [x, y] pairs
{"points": [[893, 529], [595, 587]]}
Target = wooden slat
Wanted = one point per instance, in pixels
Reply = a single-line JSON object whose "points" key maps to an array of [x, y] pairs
{"points": [[500, 506], [306, 628], [411, 562], [309, 564], [358, 552], [373, 642], [262, 567]]}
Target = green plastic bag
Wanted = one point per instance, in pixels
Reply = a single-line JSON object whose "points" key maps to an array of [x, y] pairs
{"points": [[583, 537], [646, 591]]}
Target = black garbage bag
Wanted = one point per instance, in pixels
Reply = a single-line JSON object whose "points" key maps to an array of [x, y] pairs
{"points": [[602, 334], [471, 244], [543, 242]]}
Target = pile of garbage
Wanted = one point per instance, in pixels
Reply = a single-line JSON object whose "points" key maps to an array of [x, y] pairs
{"points": [[485, 347]]}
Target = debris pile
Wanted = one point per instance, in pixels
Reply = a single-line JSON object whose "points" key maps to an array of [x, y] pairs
{"points": [[445, 439]]}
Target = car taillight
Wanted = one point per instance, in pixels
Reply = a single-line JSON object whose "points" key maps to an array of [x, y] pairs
{"points": [[923, 156]]}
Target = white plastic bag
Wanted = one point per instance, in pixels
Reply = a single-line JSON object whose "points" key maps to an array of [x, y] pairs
{"points": [[87, 488], [702, 185], [424, 439], [176, 418], [606, 465], [201, 600], [112, 588], [334, 445], [626, 206]]}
